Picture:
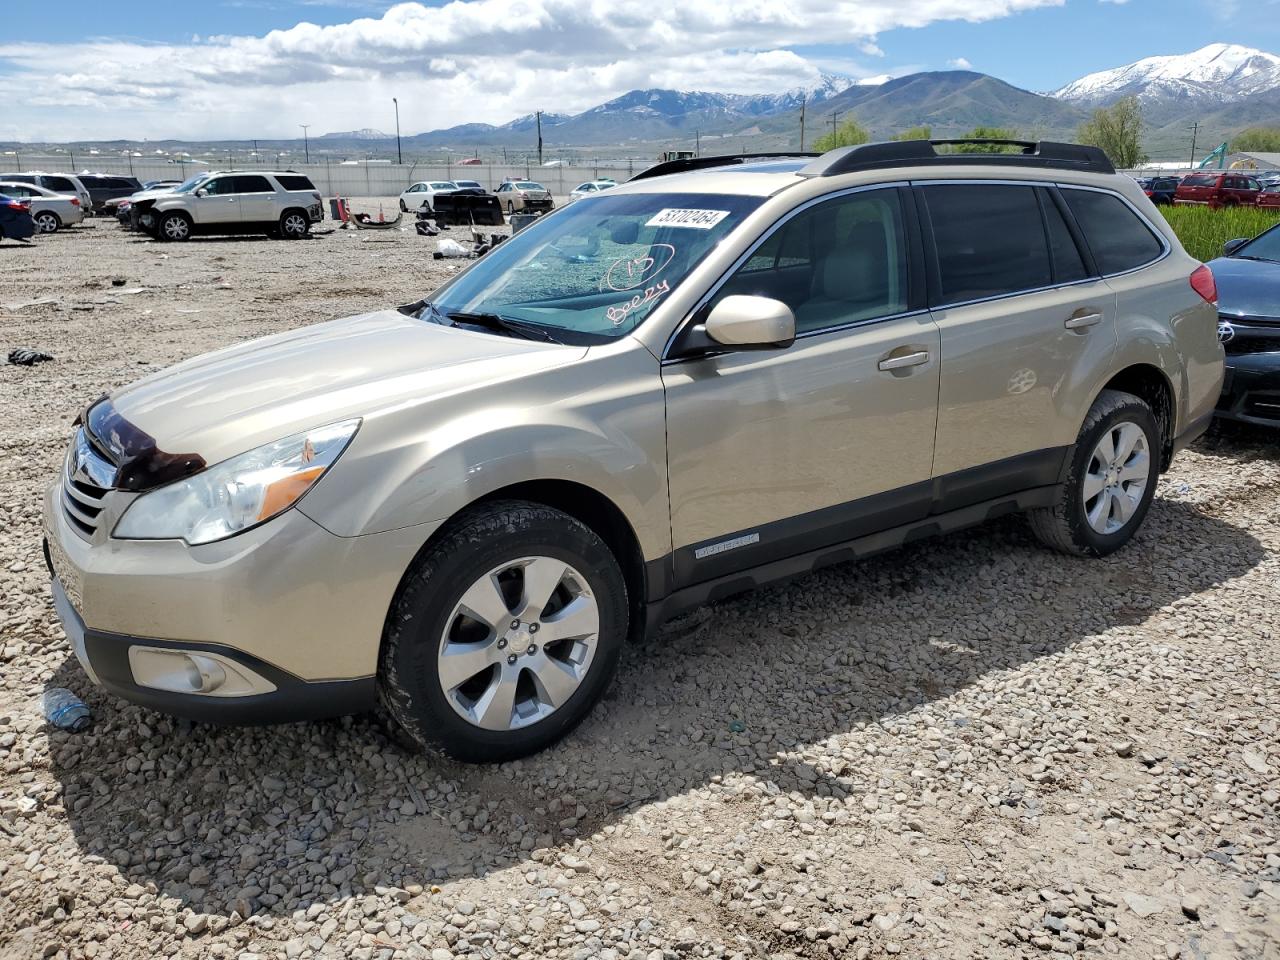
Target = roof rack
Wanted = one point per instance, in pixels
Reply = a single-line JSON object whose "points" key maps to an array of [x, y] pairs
{"points": [[912, 153], [704, 163]]}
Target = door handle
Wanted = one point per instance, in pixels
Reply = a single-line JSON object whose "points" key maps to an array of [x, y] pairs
{"points": [[906, 360], [1078, 321], [231, 199]]}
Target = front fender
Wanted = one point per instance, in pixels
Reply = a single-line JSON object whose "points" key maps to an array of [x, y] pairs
{"points": [[599, 422]]}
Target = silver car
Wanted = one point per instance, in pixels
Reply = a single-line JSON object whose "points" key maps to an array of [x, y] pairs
{"points": [[725, 372], [51, 211]]}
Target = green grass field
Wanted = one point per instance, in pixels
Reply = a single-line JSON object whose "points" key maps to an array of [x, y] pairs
{"points": [[1204, 231]]}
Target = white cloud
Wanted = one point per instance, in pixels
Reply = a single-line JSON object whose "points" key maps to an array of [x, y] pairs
{"points": [[469, 60], [960, 63]]}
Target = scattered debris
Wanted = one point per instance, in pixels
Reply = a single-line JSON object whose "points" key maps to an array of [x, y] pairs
{"points": [[448, 249], [30, 303], [118, 281], [25, 356]]}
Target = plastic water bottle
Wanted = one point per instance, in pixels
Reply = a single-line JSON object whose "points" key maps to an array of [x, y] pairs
{"points": [[65, 710]]}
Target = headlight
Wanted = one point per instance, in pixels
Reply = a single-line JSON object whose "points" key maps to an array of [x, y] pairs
{"points": [[238, 493]]}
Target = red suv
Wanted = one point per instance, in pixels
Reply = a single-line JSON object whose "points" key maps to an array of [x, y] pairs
{"points": [[1218, 190]]}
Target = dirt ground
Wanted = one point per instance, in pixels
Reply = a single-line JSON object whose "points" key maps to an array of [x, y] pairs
{"points": [[968, 748]]}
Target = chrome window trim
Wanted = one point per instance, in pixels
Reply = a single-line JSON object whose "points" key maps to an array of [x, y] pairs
{"points": [[760, 240], [1017, 293]]}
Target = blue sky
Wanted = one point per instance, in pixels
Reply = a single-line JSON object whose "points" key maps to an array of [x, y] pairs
{"points": [[97, 67]]}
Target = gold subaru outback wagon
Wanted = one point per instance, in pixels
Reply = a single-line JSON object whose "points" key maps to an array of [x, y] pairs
{"points": [[727, 371]]}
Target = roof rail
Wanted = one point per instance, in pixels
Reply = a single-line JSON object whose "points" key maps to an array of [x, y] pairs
{"points": [[704, 163], [911, 153]]}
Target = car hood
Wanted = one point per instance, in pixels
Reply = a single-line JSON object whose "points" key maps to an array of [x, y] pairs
{"points": [[233, 400], [1247, 288]]}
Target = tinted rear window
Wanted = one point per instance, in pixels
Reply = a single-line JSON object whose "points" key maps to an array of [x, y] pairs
{"points": [[1117, 237], [249, 183], [1199, 180], [990, 240], [295, 181], [61, 184]]}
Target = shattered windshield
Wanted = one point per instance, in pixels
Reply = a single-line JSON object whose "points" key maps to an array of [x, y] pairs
{"points": [[593, 271]]}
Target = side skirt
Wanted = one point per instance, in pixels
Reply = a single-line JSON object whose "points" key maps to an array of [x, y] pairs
{"points": [[699, 594]]}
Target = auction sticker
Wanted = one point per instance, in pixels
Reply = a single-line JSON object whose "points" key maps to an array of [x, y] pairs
{"points": [[696, 219]]}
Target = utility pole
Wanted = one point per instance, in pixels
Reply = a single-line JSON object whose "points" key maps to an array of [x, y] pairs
{"points": [[835, 115], [697, 143], [1195, 129], [399, 157], [803, 101], [255, 148], [306, 145], [538, 116]]}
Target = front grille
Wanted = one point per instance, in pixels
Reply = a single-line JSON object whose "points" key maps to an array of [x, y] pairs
{"points": [[86, 480]]}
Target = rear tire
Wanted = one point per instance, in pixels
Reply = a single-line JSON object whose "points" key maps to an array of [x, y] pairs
{"points": [[48, 222], [525, 671], [1112, 480], [294, 225]]}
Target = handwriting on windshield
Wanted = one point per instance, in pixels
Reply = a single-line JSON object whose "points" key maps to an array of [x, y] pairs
{"points": [[618, 314], [628, 273]]}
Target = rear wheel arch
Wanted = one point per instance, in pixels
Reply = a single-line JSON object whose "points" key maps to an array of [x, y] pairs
{"points": [[1150, 384]]}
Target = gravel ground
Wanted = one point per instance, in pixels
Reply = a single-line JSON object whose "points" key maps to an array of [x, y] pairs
{"points": [[969, 748]]}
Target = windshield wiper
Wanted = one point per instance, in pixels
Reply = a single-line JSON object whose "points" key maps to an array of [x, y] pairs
{"points": [[500, 324], [1242, 256], [424, 310]]}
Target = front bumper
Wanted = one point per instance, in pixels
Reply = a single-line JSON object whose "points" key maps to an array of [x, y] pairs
{"points": [[1251, 390], [296, 610]]}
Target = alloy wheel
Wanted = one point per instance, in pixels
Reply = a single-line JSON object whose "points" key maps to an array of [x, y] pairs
{"points": [[519, 643], [295, 225], [176, 228], [46, 222], [1117, 477]]}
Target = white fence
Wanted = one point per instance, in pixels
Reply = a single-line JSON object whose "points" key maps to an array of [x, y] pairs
{"points": [[333, 179]]}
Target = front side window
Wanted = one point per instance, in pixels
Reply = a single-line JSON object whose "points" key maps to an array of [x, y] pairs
{"points": [[989, 238], [840, 261], [1117, 237], [597, 269], [218, 186], [1068, 265]]}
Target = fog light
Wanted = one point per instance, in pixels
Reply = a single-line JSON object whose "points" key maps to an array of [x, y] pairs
{"points": [[196, 672]]}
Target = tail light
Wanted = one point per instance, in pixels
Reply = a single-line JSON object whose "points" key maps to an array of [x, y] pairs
{"points": [[75, 201], [1202, 282]]}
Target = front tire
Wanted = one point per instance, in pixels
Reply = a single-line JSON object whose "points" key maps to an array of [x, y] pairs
{"points": [[504, 633], [511, 208], [175, 227], [1111, 483]]}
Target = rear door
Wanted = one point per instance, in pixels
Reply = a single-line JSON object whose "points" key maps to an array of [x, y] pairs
{"points": [[258, 203], [1026, 323]]}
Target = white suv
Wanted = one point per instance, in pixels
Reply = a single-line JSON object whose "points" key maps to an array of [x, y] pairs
{"points": [[277, 204]]}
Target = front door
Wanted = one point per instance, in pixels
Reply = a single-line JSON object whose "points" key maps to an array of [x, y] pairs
{"points": [[215, 202], [778, 452], [1025, 327]]}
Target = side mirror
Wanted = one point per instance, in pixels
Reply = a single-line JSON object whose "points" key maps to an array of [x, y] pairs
{"points": [[1231, 246], [201, 192], [752, 323]]}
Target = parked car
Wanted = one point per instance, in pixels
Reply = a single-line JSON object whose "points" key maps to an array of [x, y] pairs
{"points": [[470, 162], [16, 222], [471, 187], [1270, 195], [1248, 278], [51, 211], [519, 196], [65, 183], [1217, 190], [279, 204], [590, 189], [422, 194], [103, 188], [1161, 190], [661, 395]]}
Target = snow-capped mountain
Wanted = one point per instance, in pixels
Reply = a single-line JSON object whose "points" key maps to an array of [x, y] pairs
{"points": [[368, 133], [1217, 72], [530, 121], [678, 103]]}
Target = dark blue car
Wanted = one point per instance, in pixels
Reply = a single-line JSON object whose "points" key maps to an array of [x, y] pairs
{"points": [[15, 219], [1248, 279]]}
